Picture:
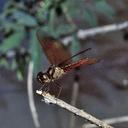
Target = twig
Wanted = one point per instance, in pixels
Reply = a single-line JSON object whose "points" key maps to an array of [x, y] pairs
{"points": [[109, 121], [50, 99], [83, 34], [31, 97]]}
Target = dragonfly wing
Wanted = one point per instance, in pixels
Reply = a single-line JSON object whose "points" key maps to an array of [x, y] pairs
{"points": [[55, 51]]}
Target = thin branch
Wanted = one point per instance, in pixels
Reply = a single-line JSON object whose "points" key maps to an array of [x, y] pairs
{"points": [[83, 34], [50, 99], [109, 121], [31, 97]]}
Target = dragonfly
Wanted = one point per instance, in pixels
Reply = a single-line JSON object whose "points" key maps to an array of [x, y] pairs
{"points": [[60, 59]]}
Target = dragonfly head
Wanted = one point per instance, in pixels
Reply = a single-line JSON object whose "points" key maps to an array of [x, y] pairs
{"points": [[43, 78]]}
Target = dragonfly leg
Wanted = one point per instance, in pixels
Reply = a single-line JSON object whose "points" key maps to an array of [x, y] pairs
{"points": [[60, 89], [41, 88], [47, 88], [44, 88]]}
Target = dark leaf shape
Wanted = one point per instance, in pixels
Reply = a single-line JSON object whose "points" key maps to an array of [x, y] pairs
{"points": [[90, 17], [75, 47], [13, 41], [35, 51], [25, 19], [103, 7]]}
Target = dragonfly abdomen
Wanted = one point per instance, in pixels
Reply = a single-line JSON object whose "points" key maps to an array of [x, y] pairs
{"points": [[78, 63]]}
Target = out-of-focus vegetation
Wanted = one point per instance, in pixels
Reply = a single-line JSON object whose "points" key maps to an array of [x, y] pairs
{"points": [[21, 18]]}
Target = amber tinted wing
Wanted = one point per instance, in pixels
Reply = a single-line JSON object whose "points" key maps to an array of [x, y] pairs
{"points": [[55, 51]]}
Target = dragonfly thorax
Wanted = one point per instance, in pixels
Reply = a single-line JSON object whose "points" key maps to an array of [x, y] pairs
{"points": [[56, 72], [50, 75]]}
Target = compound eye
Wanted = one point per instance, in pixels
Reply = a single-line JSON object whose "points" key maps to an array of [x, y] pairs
{"points": [[44, 77], [39, 77], [50, 71]]}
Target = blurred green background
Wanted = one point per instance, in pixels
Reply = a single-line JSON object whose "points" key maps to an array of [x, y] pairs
{"points": [[20, 20], [102, 87]]}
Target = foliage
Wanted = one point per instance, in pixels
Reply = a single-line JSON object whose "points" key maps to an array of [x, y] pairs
{"points": [[20, 20]]}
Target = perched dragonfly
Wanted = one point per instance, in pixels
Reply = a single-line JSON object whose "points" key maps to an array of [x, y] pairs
{"points": [[59, 58]]}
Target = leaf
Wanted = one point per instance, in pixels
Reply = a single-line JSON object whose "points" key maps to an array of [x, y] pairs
{"points": [[13, 41], [3, 62], [20, 65], [44, 10], [72, 8], [63, 29], [20, 69], [90, 17], [19, 75], [103, 7], [75, 46], [8, 26], [35, 51], [13, 65], [51, 22], [25, 19]]}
